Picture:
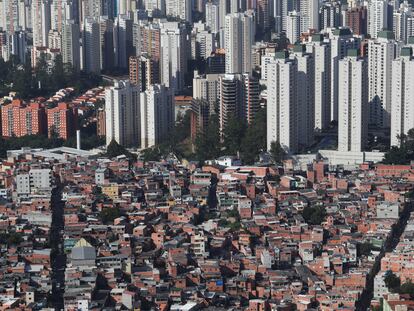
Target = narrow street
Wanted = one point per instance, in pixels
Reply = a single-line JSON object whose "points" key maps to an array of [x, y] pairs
{"points": [[392, 241], [58, 258]]}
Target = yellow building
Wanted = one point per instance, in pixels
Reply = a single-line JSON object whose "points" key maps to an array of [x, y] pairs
{"points": [[111, 190]]}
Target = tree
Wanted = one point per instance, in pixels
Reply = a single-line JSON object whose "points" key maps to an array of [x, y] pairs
{"points": [[254, 141], [277, 152], [114, 149], [365, 248], [392, 282], [314, 215], [407, 288], [207, 143], [12, 238], [41, 73], [152, 154], [396, 155], [108, 215], [233, 135], [404, 153], [58, 75]]}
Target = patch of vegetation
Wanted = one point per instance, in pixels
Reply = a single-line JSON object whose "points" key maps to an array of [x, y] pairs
{"points": [[314, 215], [403, 154], [108, 215]]}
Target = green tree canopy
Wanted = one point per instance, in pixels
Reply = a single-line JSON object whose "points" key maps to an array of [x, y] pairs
{"points": [[392, 282], [207, 143], [404, 153], [114, 149], [277, 152], [109, 214], [407, 288], [314, 215], [254, 140], [233, 135]]}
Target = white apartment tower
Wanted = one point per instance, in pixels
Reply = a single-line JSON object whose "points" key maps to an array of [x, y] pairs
{"points": [[381, 53], [402, 95], [353, 103], [213, 17], [157, 115], [377, 16], [122, 112], [239, 36], [282, 102], [341, 40], [309, 10], [9, 15], [40, 10], [402, 22], [122, 35], [206, 88], [61, 10], [293, 29], [154, 7], [179, 8], [70, 44], [321, 52], [90, 46], [174, 52], [305, 82]]}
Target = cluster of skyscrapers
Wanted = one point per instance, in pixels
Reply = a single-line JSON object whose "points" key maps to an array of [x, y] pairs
{"points": [[323, 61]]}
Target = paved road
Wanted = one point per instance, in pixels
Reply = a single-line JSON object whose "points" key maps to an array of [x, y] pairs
{"points": [[58, 257]]}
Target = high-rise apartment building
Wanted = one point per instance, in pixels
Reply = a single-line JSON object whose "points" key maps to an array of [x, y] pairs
{"points": [[381, 53], [341, 40], [155, 8], [402, 22], [70, 44], [330, 15], [305, 81], [157, 115], [61, 10], [282, 102], [20, 119], [377, 17], [239, 37], [62, 120], [123, 47], [203, 42], [309, 10], [90, 46], [149, 40], [321, 52], [179, 8], [263, 14], [174, 55], [239, 98], [122, 113], [40, 11], [353, 103], [293, 28], [356, 20], [135, 71], [251, 97], [106, 37], [213, 17], [143, 72], [9, 15], [206, 88], [18, 45], [402, 95]]}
